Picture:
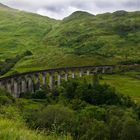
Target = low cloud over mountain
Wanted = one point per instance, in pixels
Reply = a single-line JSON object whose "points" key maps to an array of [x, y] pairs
{"points": [[61, 8]]}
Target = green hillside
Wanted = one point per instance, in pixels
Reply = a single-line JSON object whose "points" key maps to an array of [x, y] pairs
{"points": [[21, 30], [80, 39], [106, 35]]}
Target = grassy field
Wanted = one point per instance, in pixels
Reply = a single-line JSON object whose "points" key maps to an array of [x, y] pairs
{"points": [[126, 84]]}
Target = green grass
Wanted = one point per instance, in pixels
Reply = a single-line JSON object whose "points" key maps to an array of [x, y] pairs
{"points": [[14, 130], [125, 84]]}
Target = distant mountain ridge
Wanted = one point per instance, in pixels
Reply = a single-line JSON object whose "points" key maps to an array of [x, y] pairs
{"points": [[3, 6]]}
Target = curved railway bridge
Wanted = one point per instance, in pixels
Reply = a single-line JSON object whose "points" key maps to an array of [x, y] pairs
{"points": [[30, 81]]}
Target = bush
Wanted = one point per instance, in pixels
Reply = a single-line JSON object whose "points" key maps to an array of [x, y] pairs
{"points": [[5, 98], [10, 112], [95, 94], [10, 62], [55, 118], [130, 130], [95, 112], [28, 53], [40, 94], [92, 130]]}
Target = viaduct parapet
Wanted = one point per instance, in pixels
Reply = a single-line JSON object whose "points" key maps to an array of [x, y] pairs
{"points": [[31, 81]]}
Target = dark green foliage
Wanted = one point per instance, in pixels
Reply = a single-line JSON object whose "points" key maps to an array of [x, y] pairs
{"points": [[77, 104], [137, 110], [10, 62], [28, 53], [89, 48], [40, 94], [95, 94], [95, 112], [115, 126], [95, 130], [54, 118], [130, 130], [129, 62], [5, 98]]}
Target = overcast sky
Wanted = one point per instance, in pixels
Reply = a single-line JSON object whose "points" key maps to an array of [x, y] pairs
{"points": [[59, 9]]}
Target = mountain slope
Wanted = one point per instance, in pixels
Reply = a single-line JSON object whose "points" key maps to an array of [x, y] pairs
{"points": [[107, 35], [80, 39], [20, 31], [3, 6]]}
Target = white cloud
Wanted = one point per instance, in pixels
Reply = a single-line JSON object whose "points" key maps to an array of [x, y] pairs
{"points": [[61, 8]]}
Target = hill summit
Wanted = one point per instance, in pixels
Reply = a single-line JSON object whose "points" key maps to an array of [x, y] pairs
{"points": [[3, 6], [78, 15]]}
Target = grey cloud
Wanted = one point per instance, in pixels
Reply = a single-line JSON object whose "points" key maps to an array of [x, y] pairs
{"points": [[104, 4], [134, 3], [62, 8]]}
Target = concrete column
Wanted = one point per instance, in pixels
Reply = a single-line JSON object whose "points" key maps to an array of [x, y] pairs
{"points": [[44, 79], [19, 87], [66, 76], [103, 70], [96, 70], [12, 86], [81, 73], [73, 74], [59, 79], [8, 87], [23, 86], [37, 82], [111, 69], [15, 94], [1, 85], [88, 72], [51, 80], [30, 85]]}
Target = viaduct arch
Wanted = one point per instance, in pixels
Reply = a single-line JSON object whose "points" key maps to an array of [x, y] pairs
{"points": [[31, 81]]}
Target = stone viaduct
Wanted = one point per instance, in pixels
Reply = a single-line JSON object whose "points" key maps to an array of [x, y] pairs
{"points": [[31, 81]]}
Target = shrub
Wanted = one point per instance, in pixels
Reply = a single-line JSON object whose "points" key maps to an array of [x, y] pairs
{"points": [[92, 130], [54, 118], [95, 94], [95, 112], [28, 53], [39, 94], [130, 130], [5, 98]]}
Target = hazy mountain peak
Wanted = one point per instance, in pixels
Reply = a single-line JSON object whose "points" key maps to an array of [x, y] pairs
{"points": [[3, 6], [78, 15]]}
